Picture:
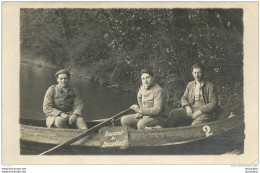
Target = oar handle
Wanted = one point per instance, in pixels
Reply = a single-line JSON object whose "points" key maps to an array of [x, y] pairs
{"points": [[89, 131]]}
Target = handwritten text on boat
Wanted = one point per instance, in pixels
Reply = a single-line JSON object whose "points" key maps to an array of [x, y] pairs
{"points": [[113, 137]]}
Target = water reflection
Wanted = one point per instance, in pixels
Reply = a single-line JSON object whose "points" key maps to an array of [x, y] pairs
{"points": [[99, 101]]}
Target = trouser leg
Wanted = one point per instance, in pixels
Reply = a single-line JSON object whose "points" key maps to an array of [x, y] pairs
{"points": [[178, 117], [202, 119], [80, 123], [129, 120], [150, 122], [60, 122]]}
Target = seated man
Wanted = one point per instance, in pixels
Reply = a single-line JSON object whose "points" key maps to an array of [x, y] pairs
{"points": [[62, 104], [199, 101], [151, 98]]}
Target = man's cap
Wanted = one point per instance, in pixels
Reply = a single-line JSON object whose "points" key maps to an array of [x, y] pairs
{"points": [[63, 71], [148, 71]]}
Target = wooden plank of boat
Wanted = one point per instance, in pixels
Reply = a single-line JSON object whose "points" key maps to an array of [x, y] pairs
{"points": [[180, 135], [154, 137]]}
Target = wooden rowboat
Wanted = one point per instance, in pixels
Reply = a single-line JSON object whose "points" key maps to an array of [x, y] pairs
{"points": [[216, 137]]}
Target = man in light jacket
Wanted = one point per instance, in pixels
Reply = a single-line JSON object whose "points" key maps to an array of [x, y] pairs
{"points": [[199, 101], [62, 104], [151, 110]]}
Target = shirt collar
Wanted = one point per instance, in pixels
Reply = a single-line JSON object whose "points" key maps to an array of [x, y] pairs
{"points": [[201, 83], [61, 88], [147, 88]]}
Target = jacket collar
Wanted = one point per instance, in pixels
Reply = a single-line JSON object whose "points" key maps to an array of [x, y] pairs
{"points": [[61, 89], [148, 88], [202, 83]]}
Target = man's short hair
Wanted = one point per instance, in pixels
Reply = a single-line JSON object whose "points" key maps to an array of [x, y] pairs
{"points": [[198, 65], [63, 71], [148, 71]]}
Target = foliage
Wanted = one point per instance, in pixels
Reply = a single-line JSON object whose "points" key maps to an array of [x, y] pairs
{"points": [[113, 45]]}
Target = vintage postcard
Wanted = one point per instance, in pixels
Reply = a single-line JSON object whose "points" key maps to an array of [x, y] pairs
{"points": [[130, 83]]}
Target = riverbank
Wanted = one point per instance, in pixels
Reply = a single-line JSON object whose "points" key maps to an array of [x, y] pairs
{"points": [[41, 62]]}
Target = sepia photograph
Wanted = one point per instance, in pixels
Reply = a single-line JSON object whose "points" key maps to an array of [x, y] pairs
{"points": [[131, 81]]}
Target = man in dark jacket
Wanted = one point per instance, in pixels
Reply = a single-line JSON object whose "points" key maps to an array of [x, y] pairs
{"points": [[199, 101], [62, 104]]}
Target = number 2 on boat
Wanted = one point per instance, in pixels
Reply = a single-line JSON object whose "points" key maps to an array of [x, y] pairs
{"points": [[207, 130]]}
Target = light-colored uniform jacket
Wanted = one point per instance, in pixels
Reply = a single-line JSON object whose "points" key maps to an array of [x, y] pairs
{"points": [[209, 97], [57, 101], [153, 101]]}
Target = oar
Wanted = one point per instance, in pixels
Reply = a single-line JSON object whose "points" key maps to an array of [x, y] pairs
{"points": [[89, 131]]}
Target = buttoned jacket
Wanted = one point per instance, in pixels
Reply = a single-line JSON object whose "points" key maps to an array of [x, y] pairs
{"points": [[208, 94], [57, 101], [152, 101]]}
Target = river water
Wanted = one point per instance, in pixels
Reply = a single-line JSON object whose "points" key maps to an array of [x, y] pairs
{"points": [[100, 102]]}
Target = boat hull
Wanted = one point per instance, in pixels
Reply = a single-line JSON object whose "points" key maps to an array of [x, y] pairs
{"points": [[211, 138]]}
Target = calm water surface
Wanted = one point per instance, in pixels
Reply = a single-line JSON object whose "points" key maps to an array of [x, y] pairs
{"points": [[100, 102]]}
